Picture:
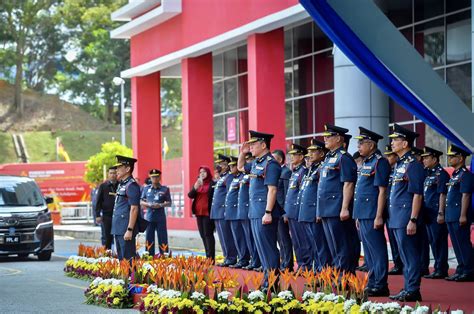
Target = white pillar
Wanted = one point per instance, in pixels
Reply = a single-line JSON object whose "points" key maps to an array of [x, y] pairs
{"points": [[358, 101]]}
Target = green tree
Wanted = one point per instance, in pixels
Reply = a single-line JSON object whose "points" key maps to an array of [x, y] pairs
{"points": [[106, 158], [31, 40], [93, 58]]}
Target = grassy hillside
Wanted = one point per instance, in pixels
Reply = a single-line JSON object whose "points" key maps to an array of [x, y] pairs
{"points": [[80, 145]]}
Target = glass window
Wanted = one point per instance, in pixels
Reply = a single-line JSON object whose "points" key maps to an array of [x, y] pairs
{"points": [[323, 71], [230, 93], [218, 89], [242, 59], [459, 79], [429, 41], [399, 12], [458, 37], [230, 62], [289, 118], [425, 9], [303, 116], [455, 5], [288, 79], [219, 131], [303, 76], [321, 41], [288, 43], [217, 67], [324, 111], [243, 92], [302, 40]]}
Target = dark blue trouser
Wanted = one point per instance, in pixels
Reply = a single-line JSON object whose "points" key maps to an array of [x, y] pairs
{"points": [[321, 254], [410, 246], [251, 243], [266, 242], [461, 239], [397, 260], [239, 240], [343, 243], [227, 241], [438, 237], [301, 245], [376, 255], [158, 227], [284, 242], [425, 247], [125, 249]]}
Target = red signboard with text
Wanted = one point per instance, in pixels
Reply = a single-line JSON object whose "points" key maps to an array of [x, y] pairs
{"points": [[64, 180]]}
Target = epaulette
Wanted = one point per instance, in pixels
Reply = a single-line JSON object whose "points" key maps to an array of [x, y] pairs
{"points": [[343, 151], [269, 158], [378, 155]]}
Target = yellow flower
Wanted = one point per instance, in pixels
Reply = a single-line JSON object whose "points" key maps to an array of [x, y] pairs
{"points": [[116, 301]]}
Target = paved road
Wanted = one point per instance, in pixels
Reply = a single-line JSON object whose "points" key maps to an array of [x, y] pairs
{"points": [[31, 286]]}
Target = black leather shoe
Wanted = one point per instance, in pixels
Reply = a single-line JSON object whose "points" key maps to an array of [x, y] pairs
{"points": [[395, 271], [436, 275], [362, 268], [384, 292], [248, 267], [398, 295], [258, 269], [465, 278], [452, 277], [412, 296], [425, 272]]}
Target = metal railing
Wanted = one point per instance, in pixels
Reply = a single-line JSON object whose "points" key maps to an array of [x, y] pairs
{"points": [[176, 210], [76, 211]]}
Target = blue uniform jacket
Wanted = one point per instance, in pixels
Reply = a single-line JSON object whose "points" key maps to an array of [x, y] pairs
{"points": [[308, 195], [263, 171], [232, 198], [408, 179], [243, 206], [462, 181], [128, 194], [436, 181], [291, 201], [283, 183], [374, 173], [337, 168], [153, 195], [220, 192]]}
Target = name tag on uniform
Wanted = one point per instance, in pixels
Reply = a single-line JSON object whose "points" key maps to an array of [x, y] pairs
{"points": [[401, 170], [367, 167], [259, 167], [325, 173], [112, 193], [332, 159]]}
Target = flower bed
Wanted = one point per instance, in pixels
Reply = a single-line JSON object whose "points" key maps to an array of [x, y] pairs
{"points": [[191, 285]]}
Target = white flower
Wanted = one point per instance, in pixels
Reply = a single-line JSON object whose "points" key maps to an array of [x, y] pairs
{"points": [[391, 306], [197, 296], [153, 288], [287, 295], [257, 294], [147, 267], [319, 296], [97, 281], [170, 294], [365, 306], [224, 295], [307, 295], [457, 312], [348, 304], [333, 298], [422, 309], [406, 309]]}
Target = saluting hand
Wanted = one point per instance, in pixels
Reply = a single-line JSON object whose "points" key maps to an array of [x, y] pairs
{"points": [[245, 148], [411, 228]]}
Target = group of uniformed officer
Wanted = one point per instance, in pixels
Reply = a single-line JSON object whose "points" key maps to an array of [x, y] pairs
{"points": [[331, 205]]}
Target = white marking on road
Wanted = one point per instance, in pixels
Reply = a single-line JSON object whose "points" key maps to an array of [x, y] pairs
{"points": [[13, 271], [67, 284], [58, 237]]}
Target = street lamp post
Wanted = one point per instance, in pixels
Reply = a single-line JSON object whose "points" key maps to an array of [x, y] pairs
{"points": [[120, 81]]}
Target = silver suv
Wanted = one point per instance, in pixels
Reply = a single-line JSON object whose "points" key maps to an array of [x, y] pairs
{"points": [[25, 222]]}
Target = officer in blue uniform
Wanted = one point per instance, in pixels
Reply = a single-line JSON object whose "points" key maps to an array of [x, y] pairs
{"points": [[397, 269], [284, 239], [264, 173], [425, 242], [232, 215], [459, 213], [218, 212], [243, 215], [307, 201], [406, 200], [369, 206], [126, 209], [301, 245], [335, 198], [155, 197], [435, 191]]}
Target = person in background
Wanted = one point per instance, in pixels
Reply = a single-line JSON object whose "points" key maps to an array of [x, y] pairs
{"points": [[104, 206], [155, 197], [201, 194]]}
